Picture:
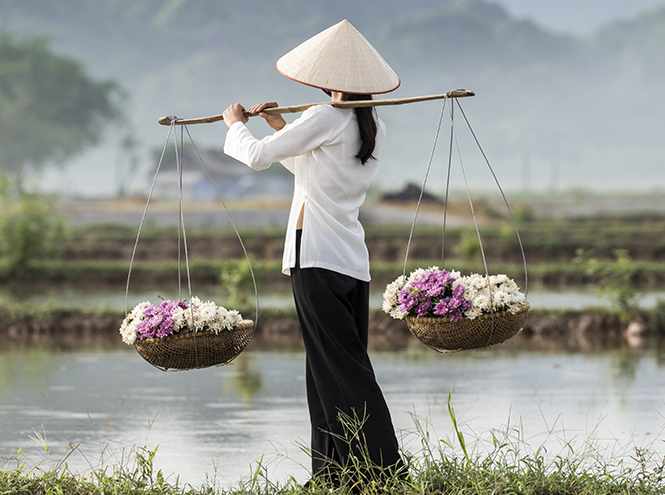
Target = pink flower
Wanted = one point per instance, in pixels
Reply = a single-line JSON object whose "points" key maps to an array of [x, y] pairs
{"points": [[158, 321], [431, 293]]}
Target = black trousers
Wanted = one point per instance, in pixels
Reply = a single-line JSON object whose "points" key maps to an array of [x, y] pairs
{"points": [[333, 311]]}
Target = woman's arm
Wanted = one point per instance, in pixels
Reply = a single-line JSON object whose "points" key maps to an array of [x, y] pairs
{"points": [[306, 133]]}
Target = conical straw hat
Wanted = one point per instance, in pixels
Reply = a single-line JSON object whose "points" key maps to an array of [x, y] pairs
{"points": [[339, 59]]}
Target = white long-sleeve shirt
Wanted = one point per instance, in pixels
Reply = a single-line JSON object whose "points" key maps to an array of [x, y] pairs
{"points": [[319, 148]]}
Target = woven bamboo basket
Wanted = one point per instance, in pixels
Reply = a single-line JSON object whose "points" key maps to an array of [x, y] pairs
{"points": [[185, 352], [465, 334]]}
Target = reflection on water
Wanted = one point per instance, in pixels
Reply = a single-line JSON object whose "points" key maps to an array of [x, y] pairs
{"points": [[219, 421], [115, 299]]}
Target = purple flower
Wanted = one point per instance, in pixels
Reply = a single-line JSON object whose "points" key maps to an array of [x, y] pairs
{"points": [[423, 307], [441, 308], [407, 299], [432, 293], [157, 320]]}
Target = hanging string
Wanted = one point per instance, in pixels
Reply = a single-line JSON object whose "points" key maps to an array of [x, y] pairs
{"points": [[145, 211], [178, 166], [422, 189], [496, 180], [181, 230], [445, 204], [228, 214], [475, 223], [420, 198]]}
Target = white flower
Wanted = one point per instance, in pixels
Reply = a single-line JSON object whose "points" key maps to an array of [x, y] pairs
{"points": [[501, 298], [505, 294], [131, 322], [210, 317], [128, 332], [473, 312], [415, 273], [390, 304], [181, 318]]}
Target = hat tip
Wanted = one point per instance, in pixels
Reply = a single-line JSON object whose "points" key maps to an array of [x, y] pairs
{"points": [[341, 59]]}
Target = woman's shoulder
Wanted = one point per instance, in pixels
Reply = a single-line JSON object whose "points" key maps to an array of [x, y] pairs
{"points": [[327, 111], [325, 117]]}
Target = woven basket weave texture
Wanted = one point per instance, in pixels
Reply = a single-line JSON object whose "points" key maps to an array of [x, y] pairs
{"points": [[466, 334], [185, 351]]}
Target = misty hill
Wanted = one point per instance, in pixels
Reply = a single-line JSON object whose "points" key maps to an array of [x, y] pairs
{"points": [[550, 110]]}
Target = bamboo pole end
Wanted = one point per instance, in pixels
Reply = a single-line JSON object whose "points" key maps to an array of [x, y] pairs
{"points": [[167, 120], [457, 93]]}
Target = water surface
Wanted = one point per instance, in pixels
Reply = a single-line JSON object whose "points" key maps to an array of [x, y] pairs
{"points": [[578, 298], [219, 422]]}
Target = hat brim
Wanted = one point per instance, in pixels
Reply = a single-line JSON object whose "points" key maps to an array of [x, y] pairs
{"points": [[399, 82]]}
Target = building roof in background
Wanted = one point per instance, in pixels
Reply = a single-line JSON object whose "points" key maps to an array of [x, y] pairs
{"points": [[218, 163]]}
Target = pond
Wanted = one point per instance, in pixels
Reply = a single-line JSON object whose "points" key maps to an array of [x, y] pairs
{"points": [[218, 423]]}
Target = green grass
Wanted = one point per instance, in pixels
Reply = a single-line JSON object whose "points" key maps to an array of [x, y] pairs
{"points": [[116, 271], [644, 274], [504, 463]]}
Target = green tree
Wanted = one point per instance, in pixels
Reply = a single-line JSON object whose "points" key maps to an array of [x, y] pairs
{"points": [[28, 225], [615, 279], [50, 109]]}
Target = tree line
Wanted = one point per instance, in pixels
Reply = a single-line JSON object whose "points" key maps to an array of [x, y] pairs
{"points": [[51, 109]]}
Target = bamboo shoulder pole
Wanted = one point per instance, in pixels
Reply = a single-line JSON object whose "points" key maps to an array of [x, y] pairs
{"points": [[455, 93]]}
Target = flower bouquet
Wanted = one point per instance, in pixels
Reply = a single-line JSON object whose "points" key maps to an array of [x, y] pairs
{"points": [[177, 335], [451, 312]]}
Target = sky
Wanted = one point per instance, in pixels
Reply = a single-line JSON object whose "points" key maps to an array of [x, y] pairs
{"points": [[579, 17]]}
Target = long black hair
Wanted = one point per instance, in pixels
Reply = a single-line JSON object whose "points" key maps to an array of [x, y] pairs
{"points": [[367, 126]]}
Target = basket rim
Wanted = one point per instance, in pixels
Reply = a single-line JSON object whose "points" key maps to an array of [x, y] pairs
{"points": [[427, 319], [243, 325]]}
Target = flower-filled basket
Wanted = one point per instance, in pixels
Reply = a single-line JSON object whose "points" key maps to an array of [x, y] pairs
{"points": [[451, 313], [180, 336]]}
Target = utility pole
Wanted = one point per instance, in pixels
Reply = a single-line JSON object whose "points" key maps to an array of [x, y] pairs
{"points": [[555, 158], [526, 173]]}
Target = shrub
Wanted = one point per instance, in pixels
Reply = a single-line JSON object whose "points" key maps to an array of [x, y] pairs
{"points": [[27, 225]]}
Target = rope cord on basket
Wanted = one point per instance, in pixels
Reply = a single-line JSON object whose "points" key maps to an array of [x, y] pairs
{"points": [[519, 238], [228, 214], [181, 230], [445, 204], [453, 136], [420, 198], [145, 211], [178, 165], [422, 190]]}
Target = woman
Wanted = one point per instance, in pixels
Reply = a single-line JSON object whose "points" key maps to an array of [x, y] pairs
{"points": [[333, 153]]}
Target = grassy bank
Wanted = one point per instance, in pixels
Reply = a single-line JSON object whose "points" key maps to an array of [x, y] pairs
{"points": [[486, 476], [544, 239], [100, 254], [504, 463], [642, 274], [583, 330]]}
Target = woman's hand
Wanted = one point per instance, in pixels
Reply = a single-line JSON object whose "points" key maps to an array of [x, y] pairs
{"points": [[235, 113], [277, 122]]}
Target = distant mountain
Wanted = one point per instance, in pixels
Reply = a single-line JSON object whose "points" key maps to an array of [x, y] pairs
{"points": [[559, 110], [470, 37]]}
